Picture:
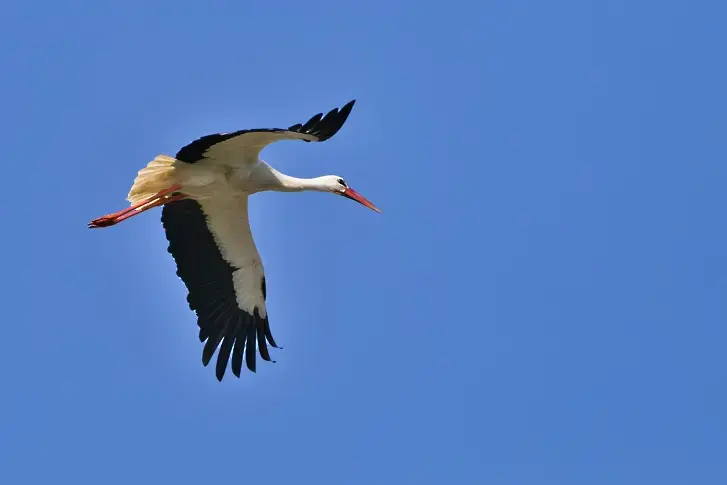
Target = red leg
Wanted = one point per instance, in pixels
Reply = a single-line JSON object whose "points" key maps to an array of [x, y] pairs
{"points": [[110, 217], [156, 200]]}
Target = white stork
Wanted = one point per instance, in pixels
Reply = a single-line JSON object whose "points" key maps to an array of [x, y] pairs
{"points": [[204, 191]]}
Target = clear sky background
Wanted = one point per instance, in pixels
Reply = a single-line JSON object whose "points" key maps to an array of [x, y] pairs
{"points": [[542, 300]]}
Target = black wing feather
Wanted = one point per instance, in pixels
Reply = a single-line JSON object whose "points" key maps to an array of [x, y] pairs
{"points": [[224, 356], [262, 346], [269, 336], [324, 128], [311, 123], [250, 352], [238, 350]]}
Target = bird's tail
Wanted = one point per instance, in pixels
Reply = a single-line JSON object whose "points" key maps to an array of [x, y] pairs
{"points": [[158, 175]]}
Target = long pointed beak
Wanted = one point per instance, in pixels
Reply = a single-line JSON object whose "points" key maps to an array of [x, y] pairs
{"points": [[353, 195]]}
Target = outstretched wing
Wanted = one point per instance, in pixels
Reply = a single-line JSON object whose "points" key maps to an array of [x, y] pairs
{"points": [[244, 146], [217, 260]]}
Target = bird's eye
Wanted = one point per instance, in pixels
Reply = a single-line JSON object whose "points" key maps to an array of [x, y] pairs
{"points": [[340, 181]]}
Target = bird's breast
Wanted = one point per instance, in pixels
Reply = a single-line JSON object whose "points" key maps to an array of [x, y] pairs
{"points": [[242, 180], [203, 182]]}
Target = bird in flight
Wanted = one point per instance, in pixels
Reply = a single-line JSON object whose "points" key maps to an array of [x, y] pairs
{"points": [[204, 191]]}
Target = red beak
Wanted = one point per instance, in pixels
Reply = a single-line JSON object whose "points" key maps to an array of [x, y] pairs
{"points": [[353, 195]]}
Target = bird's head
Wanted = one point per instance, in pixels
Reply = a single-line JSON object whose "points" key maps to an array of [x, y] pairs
{"points": [[337, 185]]}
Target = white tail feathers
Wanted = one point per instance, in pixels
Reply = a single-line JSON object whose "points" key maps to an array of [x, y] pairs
{"points": [[155, 177]]}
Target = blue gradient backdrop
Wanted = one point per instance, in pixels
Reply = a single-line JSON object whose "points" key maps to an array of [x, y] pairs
{"points": [[542, 300]]}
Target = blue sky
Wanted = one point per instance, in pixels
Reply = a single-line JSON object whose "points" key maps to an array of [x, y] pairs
{"points": [[541, 301]]}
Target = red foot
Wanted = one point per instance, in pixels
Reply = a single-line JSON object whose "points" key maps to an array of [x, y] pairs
{"points": [[104, 221]]}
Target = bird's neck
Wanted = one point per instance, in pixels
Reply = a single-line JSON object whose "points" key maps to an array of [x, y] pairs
{"points": [[287, 183]]}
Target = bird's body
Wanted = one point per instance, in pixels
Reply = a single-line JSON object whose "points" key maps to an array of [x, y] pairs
{"points": [[213, 180], [204, 192]]}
